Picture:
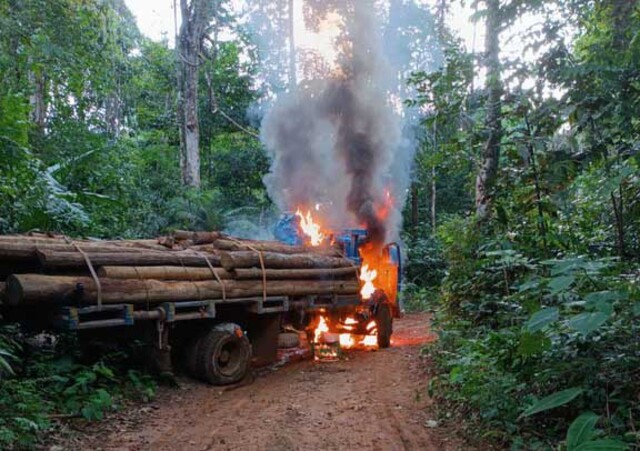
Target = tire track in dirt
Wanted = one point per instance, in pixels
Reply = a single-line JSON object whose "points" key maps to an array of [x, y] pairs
{"points": [[370, 401]]}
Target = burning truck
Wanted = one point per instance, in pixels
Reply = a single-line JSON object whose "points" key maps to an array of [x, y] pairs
{"points": [[367, 323], [212, 302], [219, 303]]}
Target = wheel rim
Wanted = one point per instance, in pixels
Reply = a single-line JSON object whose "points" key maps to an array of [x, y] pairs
{"points": [[229, 358]]}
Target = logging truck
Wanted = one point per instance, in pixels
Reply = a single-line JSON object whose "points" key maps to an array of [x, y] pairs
{"points": [[214, 303]]}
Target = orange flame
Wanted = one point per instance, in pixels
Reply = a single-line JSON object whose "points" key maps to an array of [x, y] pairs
{"points": [[345, 340], [322, 327], [367, 276], [311, 228]]}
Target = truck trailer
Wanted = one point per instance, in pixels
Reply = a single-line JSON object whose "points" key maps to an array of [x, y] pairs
{"points": [[195, 312]]}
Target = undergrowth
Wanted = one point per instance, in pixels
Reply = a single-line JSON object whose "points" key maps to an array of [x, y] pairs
{"points": [[45, 378]]}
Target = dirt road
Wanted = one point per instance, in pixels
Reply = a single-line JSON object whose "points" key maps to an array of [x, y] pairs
{"points": [[372, 401]]}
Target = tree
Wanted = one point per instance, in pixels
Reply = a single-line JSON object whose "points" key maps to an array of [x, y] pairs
{"points": [[488, 170], [196, 18]]}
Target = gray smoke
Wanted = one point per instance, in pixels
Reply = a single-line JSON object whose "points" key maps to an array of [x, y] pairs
{"points": [[341, 141]]}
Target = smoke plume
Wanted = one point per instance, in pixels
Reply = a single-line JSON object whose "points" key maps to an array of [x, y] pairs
{"points": [[339, 140]]}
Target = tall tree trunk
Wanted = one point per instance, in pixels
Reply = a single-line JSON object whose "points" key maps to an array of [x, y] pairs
{"points": [[293, 79], [37, 99], [542, 228], [488, 170], [415, 208], [196, 15], [433, 199]]}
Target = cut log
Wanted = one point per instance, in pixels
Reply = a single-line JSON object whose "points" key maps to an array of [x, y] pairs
{"points": [[52, 259], [21, 249], [270, 246], [61, 241], [296, 274], [242, 259], [197, 237], [35, 289], [36, 239], [162, 272]]}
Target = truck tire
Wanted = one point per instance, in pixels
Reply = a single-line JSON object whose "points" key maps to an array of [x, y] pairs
{"points": [[223, 356], [288, 340], [384, 324]]}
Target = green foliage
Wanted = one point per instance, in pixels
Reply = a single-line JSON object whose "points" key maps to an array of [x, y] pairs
{"points": [[552, 401], [581, 433], [64, 382], [539, 302]]}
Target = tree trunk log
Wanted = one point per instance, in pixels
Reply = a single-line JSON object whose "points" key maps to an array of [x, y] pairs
{"points": [[28, 250], [162, 273], [233, 260], [194, 274], [36, 288], [296, 274], [3, 288], [52, 259], [271, 246], [197, 237]]}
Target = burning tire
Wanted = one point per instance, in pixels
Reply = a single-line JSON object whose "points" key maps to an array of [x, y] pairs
{"points": [[223, 355], [384, 325]]}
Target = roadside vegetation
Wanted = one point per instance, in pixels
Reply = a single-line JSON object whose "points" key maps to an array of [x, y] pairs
{"points": [[537, 300]]}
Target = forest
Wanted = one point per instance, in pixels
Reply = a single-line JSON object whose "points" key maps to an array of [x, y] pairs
{"points": [[520, 203]]}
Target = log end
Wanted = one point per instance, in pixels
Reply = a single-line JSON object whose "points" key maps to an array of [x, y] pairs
{"points": [[227, 261]]}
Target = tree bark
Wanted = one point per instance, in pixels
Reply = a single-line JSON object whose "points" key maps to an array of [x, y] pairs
{"points": [[53, 259], [233, 260], [536, 180], [415, 209], [270, 246], [296, 274], [37, 100], [488, 170], [36, 288], [162, 273], [196, 15], [191, 273], [197, 237], [28, 252]]}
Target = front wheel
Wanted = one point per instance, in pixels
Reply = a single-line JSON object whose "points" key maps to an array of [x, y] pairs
{"points": [[384, 324], [223, 355]]}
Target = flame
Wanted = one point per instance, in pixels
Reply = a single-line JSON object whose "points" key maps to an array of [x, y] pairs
{"points": [[346, 340], [383, 209], [370, 340], [322, 327], [367, 276], [310, 228]]}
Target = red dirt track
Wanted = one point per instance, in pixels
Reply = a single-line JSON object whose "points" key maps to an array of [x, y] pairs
{"points": [[371, 401]]}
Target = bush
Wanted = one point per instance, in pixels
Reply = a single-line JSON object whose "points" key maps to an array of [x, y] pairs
{"points": [[515, 331], [42, 383]]}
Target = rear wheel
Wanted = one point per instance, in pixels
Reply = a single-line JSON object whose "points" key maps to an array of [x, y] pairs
{"points": [[223, 356], [384, 325]]}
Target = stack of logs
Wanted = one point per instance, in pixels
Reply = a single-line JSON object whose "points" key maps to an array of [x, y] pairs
{"points": [[184, 266]]}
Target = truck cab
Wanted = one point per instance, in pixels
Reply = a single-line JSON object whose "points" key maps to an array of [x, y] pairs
{"points": [[385, 303]]}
